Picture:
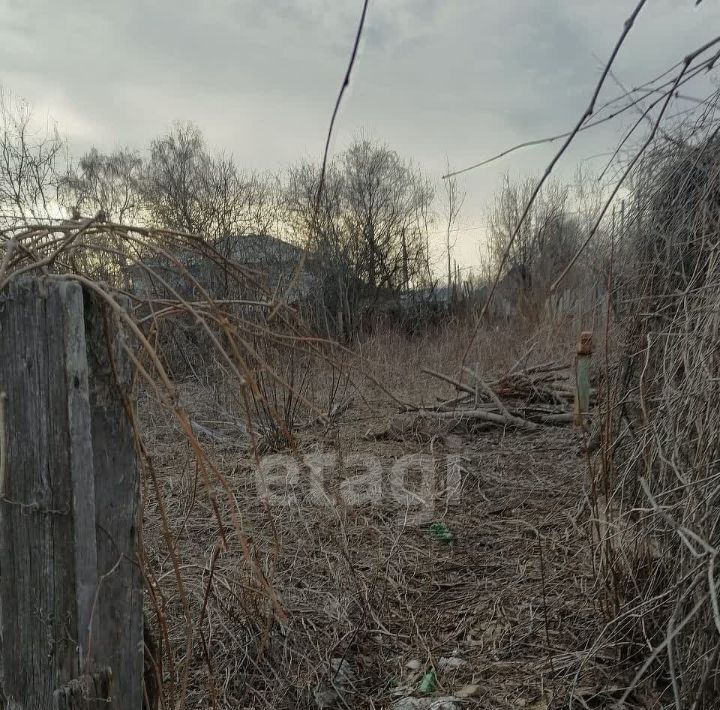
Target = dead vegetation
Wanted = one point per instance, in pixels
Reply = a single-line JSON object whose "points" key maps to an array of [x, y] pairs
{"points": [[370, 598], [433, 533], [523, 398], [506, 578], [656, 476], [325, 588]]}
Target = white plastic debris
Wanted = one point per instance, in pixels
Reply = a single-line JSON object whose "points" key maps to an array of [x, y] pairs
{"points": [[450, 663]]}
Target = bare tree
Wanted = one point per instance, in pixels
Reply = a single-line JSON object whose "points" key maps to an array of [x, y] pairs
{"points": [[547, 236], [453, 204], [106, 183], [187, 188], [174, 179], [31, 159], [384, 216], [370, 229], [319, 228]]}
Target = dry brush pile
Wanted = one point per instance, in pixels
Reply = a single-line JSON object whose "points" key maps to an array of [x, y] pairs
{"points": [[523, 398]]}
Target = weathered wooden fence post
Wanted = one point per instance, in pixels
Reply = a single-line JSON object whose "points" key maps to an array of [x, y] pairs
{"points": [[582, 378], [70, 586]]}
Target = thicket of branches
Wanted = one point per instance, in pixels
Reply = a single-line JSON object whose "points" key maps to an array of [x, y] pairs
{"points": [[179, 185], [369, 234], [369, 239], [658, 477], [366, 242], [654, 483], [546, 239]]}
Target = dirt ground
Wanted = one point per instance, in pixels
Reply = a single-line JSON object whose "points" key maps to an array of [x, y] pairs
{"points": [[300, 596]]}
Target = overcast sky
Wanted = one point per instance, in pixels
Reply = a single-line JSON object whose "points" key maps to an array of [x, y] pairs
{"points": [[434, 78]]}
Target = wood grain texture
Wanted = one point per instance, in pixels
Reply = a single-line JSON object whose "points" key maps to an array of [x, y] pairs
{"points": [[68, 504], [118, 641]]}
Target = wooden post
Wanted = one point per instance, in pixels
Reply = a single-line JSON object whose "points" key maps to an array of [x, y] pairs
{"points": [[70, 585], [582, 378]]}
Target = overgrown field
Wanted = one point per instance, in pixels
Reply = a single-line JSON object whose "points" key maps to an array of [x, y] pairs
{"points": [[383, 546]]}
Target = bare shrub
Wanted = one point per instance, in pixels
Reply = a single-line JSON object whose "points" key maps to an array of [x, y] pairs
{"points": [[655, 482], [169, 432]]}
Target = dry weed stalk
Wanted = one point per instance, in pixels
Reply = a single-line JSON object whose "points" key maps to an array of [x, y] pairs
{"points": [[657, 477]]}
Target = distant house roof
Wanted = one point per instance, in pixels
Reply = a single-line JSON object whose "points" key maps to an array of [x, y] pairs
{"points": [[271, 258], [274, 258], [257, 249]]}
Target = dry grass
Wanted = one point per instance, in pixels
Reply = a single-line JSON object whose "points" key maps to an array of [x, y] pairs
{"points": [[323, 600], [321, 583], [398, 360]]}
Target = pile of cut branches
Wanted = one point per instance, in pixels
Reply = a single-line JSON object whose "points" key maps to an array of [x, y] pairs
{"points": [[523, 398]]}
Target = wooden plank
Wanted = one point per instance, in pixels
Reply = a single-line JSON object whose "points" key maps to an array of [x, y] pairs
{"points": [[69, 490], [38, 576], [582, 378], [81, 464], [117, 490]]}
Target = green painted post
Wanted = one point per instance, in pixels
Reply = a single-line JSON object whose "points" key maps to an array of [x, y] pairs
{"points": [[582, 378]]}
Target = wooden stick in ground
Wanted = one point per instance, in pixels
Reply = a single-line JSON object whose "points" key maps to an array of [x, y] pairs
{"points": [[582, 377]]}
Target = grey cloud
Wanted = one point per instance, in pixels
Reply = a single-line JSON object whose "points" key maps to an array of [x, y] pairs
{"points": [[463, 78]]}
